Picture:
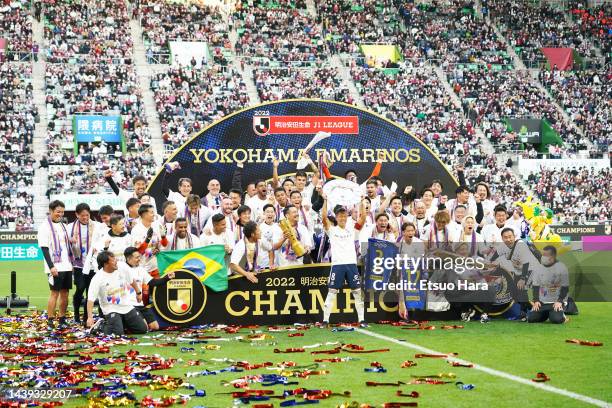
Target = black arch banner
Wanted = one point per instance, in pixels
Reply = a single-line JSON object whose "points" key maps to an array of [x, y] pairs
{"points": [[282, 129]]}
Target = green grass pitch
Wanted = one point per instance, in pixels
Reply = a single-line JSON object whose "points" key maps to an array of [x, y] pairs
{"points": [[516, 348]]}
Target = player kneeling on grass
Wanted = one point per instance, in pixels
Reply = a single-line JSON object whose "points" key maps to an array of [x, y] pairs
{"points": [[343, 258], [111, 287], [550, 284], [141, 277]]}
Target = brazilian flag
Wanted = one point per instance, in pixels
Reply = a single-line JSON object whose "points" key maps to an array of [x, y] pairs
{"points": [[207, 262]]}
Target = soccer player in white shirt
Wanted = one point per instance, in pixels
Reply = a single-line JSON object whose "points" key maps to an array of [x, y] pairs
{"points": [[343, 258], [267, 228], [468, 234], [464, 199], [182, 237], [427, 198], [395, 211], [550, 283], [482, 196], [301, 178], [227, 211], [139, 183], [491, 233], [111, 288], [304, 213], [281, 239], [142, 279], [456, 224], [244, 216], [219, 234], [437, 235], [248, 255], [82, 232], [409, 247], [116, 239], [55, 244], [282, 200], [196, 214], [257, 202], [149, 237], [170, 211], [185, 185], [372, 194], [420, 218], [380, 230]]}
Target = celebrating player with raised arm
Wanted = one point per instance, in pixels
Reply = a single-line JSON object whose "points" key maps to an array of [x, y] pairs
{"points": [[343, 258]]}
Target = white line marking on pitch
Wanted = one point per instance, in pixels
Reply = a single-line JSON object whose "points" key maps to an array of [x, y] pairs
{"points": [[494, 372]]}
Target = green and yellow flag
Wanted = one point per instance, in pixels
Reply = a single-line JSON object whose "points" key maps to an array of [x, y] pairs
{"points": [[207, 262]]}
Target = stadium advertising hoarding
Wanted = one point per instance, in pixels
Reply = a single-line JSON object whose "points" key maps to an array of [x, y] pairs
{"points": [[19, 246], [527, 166], [97, 128], [528, 129], [576, 232], [283, 129], [95, 201]]}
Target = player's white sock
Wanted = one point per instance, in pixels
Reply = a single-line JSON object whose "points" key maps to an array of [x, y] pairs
{"points": [[329, 303], [358, 303]]}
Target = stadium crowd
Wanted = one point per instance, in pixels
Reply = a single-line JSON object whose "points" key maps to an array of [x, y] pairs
{"points": [[586, 97], [451, 32], [576, 195], [531, 26], [347, 24], [492, 96], [269, 34], [16, 29], [288, 83], [594, 23], [89, 69], [17, 120], [163, 22], [189, 99], [95, 32], [415, 99]]}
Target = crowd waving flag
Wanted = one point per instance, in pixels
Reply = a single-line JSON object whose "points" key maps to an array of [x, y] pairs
{"points": [[207, 263]]}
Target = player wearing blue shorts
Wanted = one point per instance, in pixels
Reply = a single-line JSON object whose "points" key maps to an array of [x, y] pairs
{"points": [[343, 257]]}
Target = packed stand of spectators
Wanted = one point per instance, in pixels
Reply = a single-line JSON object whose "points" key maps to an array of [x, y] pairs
{"points": [[164, 21], [92, 88], [188, 99], [16, 196], [90, 71], [90, 31], [17, 119], [281, 33], [16, 30], [533, 25], [505, 187], [595, 23], [492, 96], [416, 99], [287, 83], [346, 23], [450, 32], [84, 173], [575, 195], [587, 98]]}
